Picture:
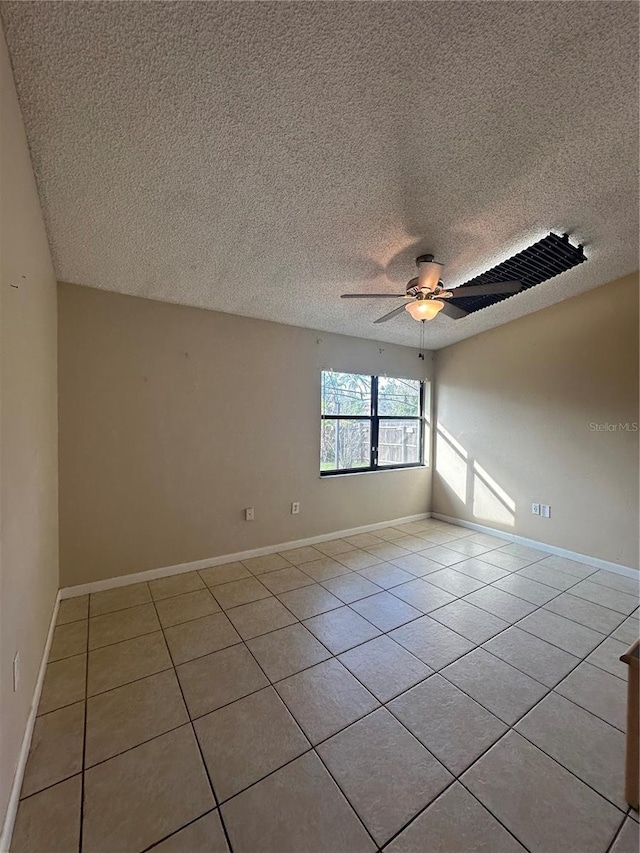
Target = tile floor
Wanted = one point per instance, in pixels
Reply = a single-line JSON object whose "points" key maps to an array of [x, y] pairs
{"points": [[417, 688]]}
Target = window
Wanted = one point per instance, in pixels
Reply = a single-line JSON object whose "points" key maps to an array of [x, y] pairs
{"points": [[370, 423]]}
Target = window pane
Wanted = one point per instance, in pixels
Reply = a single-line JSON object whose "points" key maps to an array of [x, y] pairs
{"points": [[399, 397], [345, 444], [399, 443], [345, 394]]}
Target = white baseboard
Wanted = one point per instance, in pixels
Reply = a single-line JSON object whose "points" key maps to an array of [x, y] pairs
{"points": [[627, 571], [14, 797], [154, 574]]}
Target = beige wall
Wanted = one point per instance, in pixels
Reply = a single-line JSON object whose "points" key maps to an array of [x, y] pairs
{"points": [[28, 430], [514, 408], [174, 419]]}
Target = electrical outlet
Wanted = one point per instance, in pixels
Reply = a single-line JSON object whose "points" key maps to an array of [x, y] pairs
{"points": [[535, 509], [295, 508], [16, 672], [545, 510], [249, 514]]}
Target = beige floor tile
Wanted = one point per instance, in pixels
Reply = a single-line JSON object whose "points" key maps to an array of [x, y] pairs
{"points": [[266, 563], [121, 663], [497, 686], [455, 823], [501, 604], [607, 657], [56, 748], [469, 549], [564, 814], [414, 544], [309, 601], [139, 797], [49, 822], [267, 816], [361, 540], [68, 640], [417, 564], [284, 580], [629, 631], [306, 554], [341, 629], [620, 582], [564, 633], [414, 527], [210, 682], [385, 611], [517, 550], [455, 582], [584, 744], [475, 568], [504, 561], [545, 574], [448, 722], [234, 745], [570, 567], [122, 625], [597, 691], [432, 642], [385, 575], [614, 599], [283, 652], [325, 699], [184, 608], [334, 546], [201, 637], [384, 667], [235, 593], [73, 609], [422, 595], [260, 617], [443, 555], [324, 569], [357, 560], [131, 714], [533, 656], [628, 840], [175, 585], [385, 773], [487, 539], [204, 835], [390, 534], [351, 587], [215, 575], [529, 590], [387, 551], [469, 621], [591, 615], [117, 599], [64, 683]]}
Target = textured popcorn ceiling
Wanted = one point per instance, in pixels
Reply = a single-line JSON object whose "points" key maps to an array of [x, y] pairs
{"points": [[262, 158]]}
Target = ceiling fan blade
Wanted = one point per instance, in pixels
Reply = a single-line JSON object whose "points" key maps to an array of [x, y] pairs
{"points": [[487, 289], [453, 311], [393, 313], [375, 296]]}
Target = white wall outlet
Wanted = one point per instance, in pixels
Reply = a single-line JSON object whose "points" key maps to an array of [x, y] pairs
{"points": [[249, 514], [535, 509], [295, 508], [16, 672], [545, 510]]}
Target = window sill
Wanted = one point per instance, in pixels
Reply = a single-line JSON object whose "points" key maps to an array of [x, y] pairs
{"points": [[332, 476]]}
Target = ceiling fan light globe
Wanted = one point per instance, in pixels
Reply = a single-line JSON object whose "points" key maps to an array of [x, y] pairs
{"points": [[424, 309]]}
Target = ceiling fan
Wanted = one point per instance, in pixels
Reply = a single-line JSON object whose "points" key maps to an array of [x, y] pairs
{"points": [[428, 296]]}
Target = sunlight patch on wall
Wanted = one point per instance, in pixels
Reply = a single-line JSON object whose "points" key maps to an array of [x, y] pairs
{"points": [[451, 464], [490, 501]]}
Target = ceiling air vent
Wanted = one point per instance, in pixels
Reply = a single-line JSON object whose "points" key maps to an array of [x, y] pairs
{"points": [[540, 262]]}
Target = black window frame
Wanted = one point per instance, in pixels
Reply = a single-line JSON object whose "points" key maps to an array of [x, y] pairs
{"points": [[374, 419]]}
